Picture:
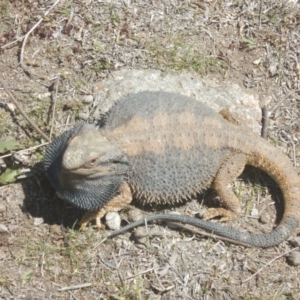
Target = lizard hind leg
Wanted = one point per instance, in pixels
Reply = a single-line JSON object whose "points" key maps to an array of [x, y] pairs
{"points": [[115, 204], [228, 172]]}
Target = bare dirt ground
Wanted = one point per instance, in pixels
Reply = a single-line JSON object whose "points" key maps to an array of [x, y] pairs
{"points": [[42, 254]]}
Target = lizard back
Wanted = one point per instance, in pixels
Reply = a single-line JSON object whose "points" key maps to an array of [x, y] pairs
{"points": [[165, 138]]}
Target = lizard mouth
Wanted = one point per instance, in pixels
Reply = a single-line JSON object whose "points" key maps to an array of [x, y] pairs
{"points": [[91, 172], [105, 169]]}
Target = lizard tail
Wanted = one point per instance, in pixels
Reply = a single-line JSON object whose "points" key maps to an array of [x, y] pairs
{"points": [[279, 167], [273, 238]]}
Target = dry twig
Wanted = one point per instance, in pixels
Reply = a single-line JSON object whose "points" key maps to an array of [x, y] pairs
{"points": [[283, 99], [54, 105], [271, 261], [13, 42], [24, 150], [75, 287], [17, 104], [31, 30], [140, 273]]}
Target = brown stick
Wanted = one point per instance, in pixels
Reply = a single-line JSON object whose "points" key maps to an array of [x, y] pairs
{"points": [[75, 287], [15, 101], [265, 122], [54, 105]]}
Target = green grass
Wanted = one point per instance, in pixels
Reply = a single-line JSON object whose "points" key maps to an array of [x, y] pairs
{"points": [[4, 4], [178, 53]]}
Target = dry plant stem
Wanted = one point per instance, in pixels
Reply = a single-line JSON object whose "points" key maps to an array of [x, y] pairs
{"points": [[294, 155], [100, 243], [15, 101], [32, 29], [75, 287], [54, 106], [138, 274], [107, 263], [271, 261], [283, 99], [13, 42], [24, 150]]}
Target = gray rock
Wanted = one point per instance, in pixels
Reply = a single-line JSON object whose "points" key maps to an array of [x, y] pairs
{"points": [[230, 96], [294, 258]]}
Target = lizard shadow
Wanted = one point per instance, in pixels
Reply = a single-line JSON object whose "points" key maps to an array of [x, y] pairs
{"points": [[267, 188], [41, 201], [257, 185]]}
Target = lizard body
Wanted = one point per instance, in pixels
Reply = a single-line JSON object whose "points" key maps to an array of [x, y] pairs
{"points": [[160, 147]]}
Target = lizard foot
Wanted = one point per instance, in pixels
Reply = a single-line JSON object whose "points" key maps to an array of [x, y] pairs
{"points": [[115, 204], [90, 216], [224, 214]]}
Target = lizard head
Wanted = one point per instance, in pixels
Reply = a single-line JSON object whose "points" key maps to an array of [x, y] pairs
{"points": [[84, 167]]}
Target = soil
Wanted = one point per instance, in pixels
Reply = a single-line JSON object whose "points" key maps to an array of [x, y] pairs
{"points": [[54, 69]]}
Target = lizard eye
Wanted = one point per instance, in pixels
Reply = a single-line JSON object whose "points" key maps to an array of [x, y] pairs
{"points": [[93, 162]]}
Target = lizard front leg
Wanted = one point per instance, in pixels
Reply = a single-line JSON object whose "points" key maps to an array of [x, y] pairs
{"points": [[228, 172], [115, 204]]}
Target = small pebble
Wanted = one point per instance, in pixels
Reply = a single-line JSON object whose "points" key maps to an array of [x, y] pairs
{"points": [[2, 208], [126, 243], [254, 212], [202, 212], [11, 106], [70, 103], [135, 215], [83, 116], [42, 96], [295, 241], [38, 221], [265, 218], [3, 228], [294, 258], [113, 220], [55, 229], [142, 232], [98, 86], [87, 99]]}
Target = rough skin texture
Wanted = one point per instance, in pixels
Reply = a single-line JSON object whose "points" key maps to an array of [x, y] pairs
{"points": [[164, 148]]}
